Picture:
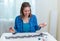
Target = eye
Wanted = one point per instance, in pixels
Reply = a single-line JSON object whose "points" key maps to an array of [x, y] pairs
{"points": [[25, 11]]}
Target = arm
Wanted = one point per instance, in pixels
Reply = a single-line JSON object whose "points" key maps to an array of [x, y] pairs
{"points": [[15, 26], [35, 23]]}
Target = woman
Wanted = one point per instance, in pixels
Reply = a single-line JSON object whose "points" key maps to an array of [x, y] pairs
{"points": [[26, 22]]}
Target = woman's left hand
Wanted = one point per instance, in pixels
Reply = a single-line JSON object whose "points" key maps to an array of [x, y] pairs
{"points": [[42, 24]]}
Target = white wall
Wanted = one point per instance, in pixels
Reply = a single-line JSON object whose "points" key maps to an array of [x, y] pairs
{"points": [[53, 18], [44, 10], [58, 25]]}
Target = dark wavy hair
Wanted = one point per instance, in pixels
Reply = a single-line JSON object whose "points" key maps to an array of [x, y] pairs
{"points": [[25, 4]]}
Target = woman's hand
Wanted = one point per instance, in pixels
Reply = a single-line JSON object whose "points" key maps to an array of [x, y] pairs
{"points": [[11, 30], [42, 25]]}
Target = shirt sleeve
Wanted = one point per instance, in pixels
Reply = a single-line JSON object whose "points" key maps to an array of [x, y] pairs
{"points": [[15, 26], [35, 23]]}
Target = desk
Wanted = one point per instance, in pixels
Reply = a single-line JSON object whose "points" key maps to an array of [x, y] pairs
{"points": [[27, 37]]}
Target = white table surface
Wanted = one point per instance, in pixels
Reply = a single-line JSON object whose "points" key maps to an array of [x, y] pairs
{"points": [[49, 37]]}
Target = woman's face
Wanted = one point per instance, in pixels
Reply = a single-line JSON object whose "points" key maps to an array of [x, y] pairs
{"points": [[26, 11]]}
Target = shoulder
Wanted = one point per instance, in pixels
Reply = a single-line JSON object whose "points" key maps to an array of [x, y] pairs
{"points": [[33, 16], [18, 18]]}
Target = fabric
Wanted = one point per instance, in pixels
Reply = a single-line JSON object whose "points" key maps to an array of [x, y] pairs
{"points": [[26, 27]]}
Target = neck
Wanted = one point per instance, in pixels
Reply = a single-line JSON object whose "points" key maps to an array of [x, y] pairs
{"points": [[26, 19], [25, 16]]}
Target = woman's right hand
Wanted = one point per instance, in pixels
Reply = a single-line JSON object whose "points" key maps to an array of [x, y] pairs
{"points": [[11, 30]]}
